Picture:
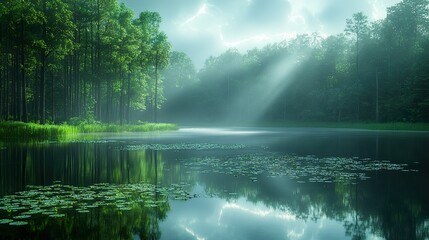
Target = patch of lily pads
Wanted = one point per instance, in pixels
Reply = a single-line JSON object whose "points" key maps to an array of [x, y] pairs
{"points": [[302, 168], [56, 201], [185, 146]]}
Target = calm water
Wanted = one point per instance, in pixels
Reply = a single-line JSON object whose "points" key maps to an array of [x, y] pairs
{"points": [[238, 183]]}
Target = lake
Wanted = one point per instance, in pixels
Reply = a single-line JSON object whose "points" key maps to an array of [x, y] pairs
{"points": [[218, 183]]}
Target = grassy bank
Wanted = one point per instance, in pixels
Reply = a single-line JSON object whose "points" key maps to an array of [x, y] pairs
{"points": [[33, 131], [394, 126]]}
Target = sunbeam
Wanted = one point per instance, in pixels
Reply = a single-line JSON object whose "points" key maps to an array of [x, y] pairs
{"points": [[252, 102]]}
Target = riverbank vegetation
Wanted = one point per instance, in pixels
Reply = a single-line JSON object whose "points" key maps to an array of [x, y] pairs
{"points": [[33, 131]]}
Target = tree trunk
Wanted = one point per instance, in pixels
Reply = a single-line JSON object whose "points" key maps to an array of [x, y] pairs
{"points": [[53, 98], [42, 74], [23, 79], [42, 88], [16, 89], [121, 100], [129, 97], [155, 107], [98, 66]]}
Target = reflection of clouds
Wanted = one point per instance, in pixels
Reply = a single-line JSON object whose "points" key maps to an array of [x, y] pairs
{"points": [[257, 211], [216, 218], [193, 234]]}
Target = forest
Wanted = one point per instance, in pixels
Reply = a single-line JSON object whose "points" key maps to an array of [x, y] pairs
{"points": [[93, 60], [372, 72], [64, 60]]}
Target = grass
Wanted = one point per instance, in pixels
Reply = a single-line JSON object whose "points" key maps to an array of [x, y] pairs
{"points": [[145, 127], [33, 131], [394, 126]]}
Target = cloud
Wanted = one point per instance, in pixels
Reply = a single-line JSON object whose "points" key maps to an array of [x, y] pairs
{"points": [[202, 28], [266, 13]]}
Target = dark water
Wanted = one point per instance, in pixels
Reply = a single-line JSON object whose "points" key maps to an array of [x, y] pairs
{"points": [[241, 183]]}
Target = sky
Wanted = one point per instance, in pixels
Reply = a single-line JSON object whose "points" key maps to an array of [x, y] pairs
{"points": [[203, 28]]}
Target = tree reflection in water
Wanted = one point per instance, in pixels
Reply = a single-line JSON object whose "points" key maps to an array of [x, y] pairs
{"points": [[84, 165], [390, 204]]}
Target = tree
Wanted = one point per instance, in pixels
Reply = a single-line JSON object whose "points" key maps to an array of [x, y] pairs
{"points": [[179, 74], [180, 78], [161, 50], [357, 26], [420, 84], [55, 38], [154, 54]]}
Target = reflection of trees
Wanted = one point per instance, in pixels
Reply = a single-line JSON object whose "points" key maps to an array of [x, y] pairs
{"points": [[392, 205], [386, 206], [84, 164], [81, 165], [101, 223], [76, 164]]}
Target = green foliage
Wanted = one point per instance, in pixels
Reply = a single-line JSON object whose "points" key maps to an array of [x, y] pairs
{"points": [[33, 131], [145, 127], [78, 59]]}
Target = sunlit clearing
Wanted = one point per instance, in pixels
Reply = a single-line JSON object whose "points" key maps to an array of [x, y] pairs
{"points": [[251, 103]]}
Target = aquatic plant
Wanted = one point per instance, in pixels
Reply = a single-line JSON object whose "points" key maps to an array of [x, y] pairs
{"points": [[303, 168], [57, 200], [185, 146]]}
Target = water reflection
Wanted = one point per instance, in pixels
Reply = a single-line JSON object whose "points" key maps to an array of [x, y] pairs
{"points": [[388, 205], [241, 219], [76, 164]]}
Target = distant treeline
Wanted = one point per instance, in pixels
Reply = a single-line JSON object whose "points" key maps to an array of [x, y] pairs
{"points": [[374, 71], [81, 59]]}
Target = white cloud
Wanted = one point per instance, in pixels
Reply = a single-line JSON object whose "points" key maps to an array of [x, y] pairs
{"points": [[208, 27]]}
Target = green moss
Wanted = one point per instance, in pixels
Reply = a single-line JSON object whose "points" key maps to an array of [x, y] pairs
{"points": [[33, 131]]}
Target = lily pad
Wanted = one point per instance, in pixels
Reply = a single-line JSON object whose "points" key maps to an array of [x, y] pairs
{"points": [[18, 223], [5, 221]]}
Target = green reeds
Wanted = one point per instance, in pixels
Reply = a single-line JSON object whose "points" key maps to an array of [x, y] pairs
{"points": [[32, 131], [145, 127]]}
